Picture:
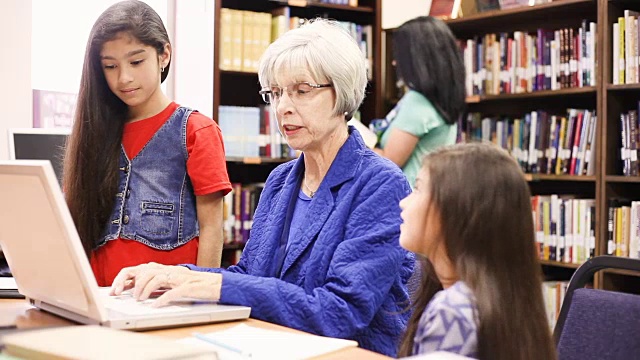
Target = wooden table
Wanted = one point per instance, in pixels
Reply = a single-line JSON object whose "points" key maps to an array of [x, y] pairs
{"points": [[22, 315]]}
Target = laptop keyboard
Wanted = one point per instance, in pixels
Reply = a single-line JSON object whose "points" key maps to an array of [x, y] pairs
{"points": [[126, 304]]}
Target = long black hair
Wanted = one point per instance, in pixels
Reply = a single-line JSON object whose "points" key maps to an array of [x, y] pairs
{"points": [[91, 159], [429, 61]]}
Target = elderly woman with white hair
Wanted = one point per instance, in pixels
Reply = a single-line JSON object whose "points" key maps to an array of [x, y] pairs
{"points": [[323, 254]]}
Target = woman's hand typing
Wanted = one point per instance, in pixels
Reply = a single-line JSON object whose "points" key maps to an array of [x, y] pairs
{"points": [[182, 283]]}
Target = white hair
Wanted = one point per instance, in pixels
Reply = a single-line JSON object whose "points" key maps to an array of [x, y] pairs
{"points": [[330, 54]]}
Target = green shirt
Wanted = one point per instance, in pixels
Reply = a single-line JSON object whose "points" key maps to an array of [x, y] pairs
{"points": [[416, 115]]}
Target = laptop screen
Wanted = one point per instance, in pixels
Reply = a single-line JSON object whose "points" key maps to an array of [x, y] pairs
{"points": [[39, 144]]}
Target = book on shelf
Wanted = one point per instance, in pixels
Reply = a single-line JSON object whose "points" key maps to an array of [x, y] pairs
{"points": [[353, 3], [629, 141], [245, 35], [468, 8], [553, 293], [252, 132], [486, 5], [520, 62], [623, 228], [445, 9], [625, 49], [540, 142], [511, 4], [239, 206], [564, 227]]}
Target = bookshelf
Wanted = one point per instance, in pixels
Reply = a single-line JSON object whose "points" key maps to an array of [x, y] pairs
{"points": [[553, 16], [236, 88], [609, 100], [516, 104], [617, 98]]}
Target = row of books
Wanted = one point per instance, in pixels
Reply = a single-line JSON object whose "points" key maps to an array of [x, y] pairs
{"points": [[252, 132], [520, 62], [553, 294], [565, 227], [623, 228], [245, 35], [446, 9], [540, 142], [630, 141], [626, 49], [512, 4], [337, 2], [239, 205]]}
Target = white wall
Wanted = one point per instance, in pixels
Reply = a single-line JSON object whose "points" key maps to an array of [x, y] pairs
{"points": [[192, 64], [15, 68], [58, 46], [395, 12]]}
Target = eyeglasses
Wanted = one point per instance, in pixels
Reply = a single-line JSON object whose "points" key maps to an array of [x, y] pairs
{"points": [[297, 92]]}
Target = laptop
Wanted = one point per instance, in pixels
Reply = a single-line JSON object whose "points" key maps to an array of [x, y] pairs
{"points": [[39, 144], [51, 270]]}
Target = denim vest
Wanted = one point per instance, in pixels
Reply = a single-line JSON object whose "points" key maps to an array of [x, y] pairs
{"points": [[155, 203]]}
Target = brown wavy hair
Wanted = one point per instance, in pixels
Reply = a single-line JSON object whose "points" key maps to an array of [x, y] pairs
{"points": [[91, 160], [484, 205]]}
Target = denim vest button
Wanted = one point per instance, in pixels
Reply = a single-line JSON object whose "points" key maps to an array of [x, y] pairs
{"points": [[125, 219]]}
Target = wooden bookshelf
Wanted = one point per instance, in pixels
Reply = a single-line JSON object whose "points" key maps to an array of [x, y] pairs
{"points": [[311, 4], [621, 272], [607, 99], [623, 87], [615, 99], [518, 13], [550, 16], [238, 73], [587, 90], [256, 160], [559, 264], [622, 179], [234, 246], [240, 88], [549, 177]]}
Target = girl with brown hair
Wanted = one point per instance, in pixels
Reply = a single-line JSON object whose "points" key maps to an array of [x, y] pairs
{"points": [[469, 217]]}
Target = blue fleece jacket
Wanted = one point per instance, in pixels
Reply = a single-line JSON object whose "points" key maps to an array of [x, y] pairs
{"points": [[346, 276]]}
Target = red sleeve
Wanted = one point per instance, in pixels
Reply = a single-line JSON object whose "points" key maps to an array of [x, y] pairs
{"points": [[206, 165]]}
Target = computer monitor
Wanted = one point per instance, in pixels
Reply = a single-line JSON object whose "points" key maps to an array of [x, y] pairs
{"points": [[39, 144]]}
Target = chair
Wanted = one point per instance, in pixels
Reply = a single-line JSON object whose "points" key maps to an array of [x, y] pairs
{"points": [[598, 324]]}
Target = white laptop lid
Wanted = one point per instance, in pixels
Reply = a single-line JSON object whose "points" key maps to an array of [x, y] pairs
{"points": [[35, 225]]}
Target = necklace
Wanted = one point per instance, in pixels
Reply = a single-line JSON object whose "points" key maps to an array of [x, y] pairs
{"points": [[311, 192]]}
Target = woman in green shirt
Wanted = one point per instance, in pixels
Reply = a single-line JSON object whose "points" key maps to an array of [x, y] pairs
{"points": [[429, 62]]}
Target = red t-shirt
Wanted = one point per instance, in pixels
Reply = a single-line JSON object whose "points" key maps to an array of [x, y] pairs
{"points": [[207, 169]]}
